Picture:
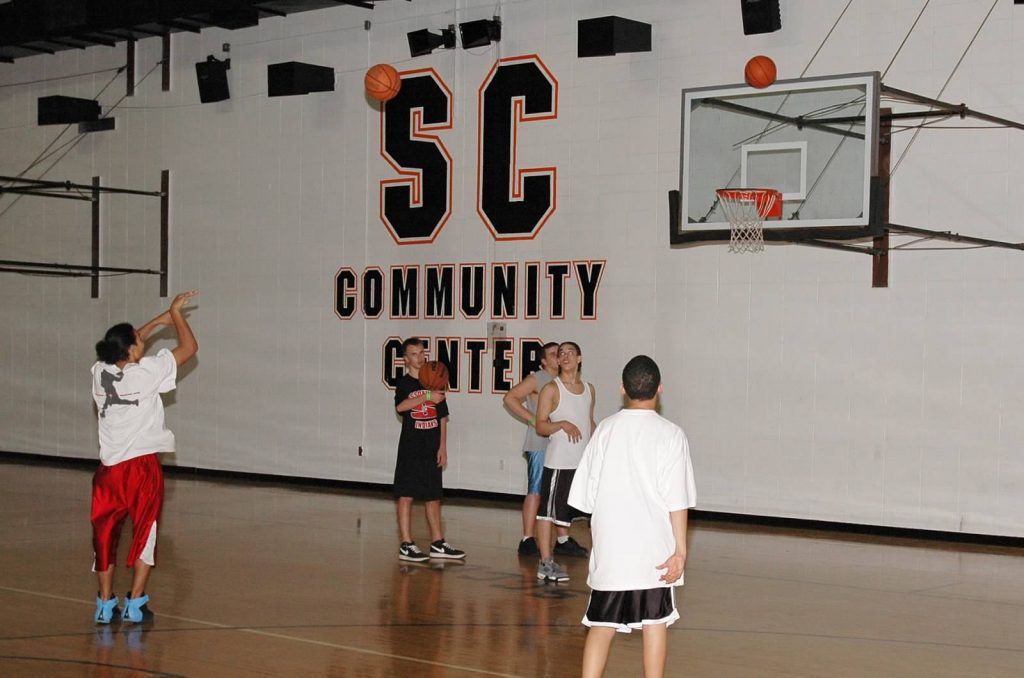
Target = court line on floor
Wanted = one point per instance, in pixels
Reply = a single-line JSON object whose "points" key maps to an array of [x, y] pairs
{"points": [[281, 636]]}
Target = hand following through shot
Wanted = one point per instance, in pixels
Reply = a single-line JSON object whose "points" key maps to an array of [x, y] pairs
{"points": [[181, 299]]}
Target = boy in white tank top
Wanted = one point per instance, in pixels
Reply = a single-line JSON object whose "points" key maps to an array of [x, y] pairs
{"points": [[521, 402], [565, 413]]}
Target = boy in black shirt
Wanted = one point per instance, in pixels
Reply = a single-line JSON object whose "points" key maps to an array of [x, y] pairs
{"points": [[422, 454]]}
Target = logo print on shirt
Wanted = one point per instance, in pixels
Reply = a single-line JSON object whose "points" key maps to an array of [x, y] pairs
{"points": [[107, 381], [424, 416]]}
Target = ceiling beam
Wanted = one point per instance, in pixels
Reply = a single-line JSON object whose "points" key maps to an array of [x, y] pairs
{"points": [[92, 39], [365, 4], [148, 31], [41, 50], [65, 43], [173, 23]]}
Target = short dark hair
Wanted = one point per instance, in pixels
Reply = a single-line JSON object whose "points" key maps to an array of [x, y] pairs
{"points": [[114, 346], [641, 378], [549, 345], [411, 341]]}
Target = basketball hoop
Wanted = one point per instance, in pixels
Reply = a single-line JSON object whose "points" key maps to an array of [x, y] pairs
{"points": [[746, 210]]}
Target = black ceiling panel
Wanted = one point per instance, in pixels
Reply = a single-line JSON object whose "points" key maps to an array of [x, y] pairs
{"points": [[31, 27]]}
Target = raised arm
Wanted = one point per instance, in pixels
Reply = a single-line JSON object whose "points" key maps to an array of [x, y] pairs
{"points": [[187, 344], [518, 394], [159, 321]]}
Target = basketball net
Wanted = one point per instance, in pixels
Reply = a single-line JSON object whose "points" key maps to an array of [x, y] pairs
{"points": [[746, 209]]}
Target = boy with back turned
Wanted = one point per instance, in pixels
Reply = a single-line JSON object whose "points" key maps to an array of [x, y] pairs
{"points": [[636, 480]]}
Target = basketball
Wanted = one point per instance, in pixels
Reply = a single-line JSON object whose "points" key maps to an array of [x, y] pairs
{"points": [[760, 71], [382, 82], [434, 376]]}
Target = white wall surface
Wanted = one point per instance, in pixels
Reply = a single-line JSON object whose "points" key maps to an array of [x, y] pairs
{"points": [[805, 393]]}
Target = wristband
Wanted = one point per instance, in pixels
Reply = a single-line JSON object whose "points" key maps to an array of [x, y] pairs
{"points": [[533, 421], [428, 396]]}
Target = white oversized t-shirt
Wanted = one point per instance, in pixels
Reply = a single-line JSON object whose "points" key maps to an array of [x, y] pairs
{"points": [[635, 470], [131, 412]]}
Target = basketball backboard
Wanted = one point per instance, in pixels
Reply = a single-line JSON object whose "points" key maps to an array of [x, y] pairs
{"points": [[813, 139]]}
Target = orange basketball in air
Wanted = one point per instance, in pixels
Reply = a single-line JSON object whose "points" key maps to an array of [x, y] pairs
{"points": [[434, 376], [382, 82], [760, 71]]}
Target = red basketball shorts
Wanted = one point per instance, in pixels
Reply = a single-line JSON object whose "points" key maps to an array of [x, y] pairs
{"points": [[132, 488]]}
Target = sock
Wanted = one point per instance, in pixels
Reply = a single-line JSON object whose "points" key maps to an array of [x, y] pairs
{"points": [[525, 537], [563, 539]]}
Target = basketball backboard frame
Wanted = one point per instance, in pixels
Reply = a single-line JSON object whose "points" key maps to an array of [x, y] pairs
{"points": [[870, 232], [741, 122]]}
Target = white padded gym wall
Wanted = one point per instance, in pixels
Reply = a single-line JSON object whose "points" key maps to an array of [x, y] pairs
{"points": [[805, 393]]}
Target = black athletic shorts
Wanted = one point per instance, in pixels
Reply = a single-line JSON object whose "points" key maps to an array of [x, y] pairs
{"points": [[628, 610], [554, 497], [417, 475]]}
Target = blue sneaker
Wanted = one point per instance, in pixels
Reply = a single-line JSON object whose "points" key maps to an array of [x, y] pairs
{"points": [[106, 610], [135, 609]]}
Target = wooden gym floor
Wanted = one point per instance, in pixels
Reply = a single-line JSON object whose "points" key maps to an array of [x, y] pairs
{"points": [[267, 580]]}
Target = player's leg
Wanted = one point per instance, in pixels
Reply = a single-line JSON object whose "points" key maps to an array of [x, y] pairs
{"points": [[140, 577], [564, 514], [655, 642], [145, 489], [107, 515], [403, 510], [543, 529], [545, 512], [439, 546], [407, 550], [433, 511], [551, 513], [534, 472], [531, 503], [595, 650]]}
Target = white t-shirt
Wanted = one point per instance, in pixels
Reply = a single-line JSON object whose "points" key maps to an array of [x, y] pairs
{"points": [[131, 413], [635, 470]]}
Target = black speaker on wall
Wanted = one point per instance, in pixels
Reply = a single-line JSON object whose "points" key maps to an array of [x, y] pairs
{"points": [[480, 33], [609, 35], [212, 77], [760, 16], [295, 77], [61, 110]]}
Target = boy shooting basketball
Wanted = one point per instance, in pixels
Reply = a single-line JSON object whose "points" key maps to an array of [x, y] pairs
{"points": [[422, 455], [126, 387], [636, 480]]}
